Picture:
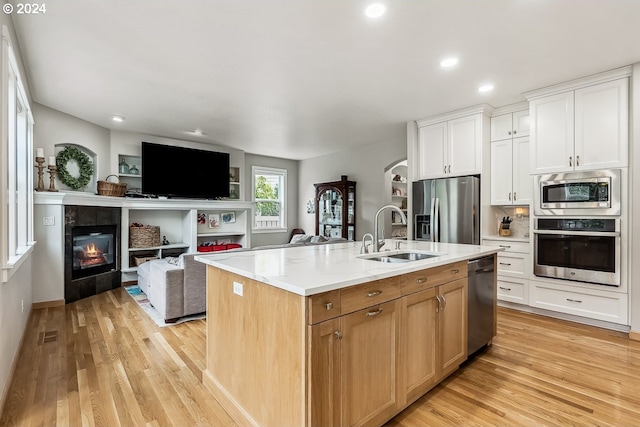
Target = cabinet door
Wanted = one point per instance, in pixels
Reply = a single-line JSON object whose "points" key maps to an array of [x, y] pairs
{"points": [[324, 373], [431, 150], [602, 125], [452, 326], [501, 172], [552, 133], [501, 127], [521, 123], [522, 183], [369, 357], [418, 345], [464, 145]]}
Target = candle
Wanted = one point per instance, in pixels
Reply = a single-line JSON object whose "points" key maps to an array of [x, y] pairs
{"points": [[39, 152], [52, 160]]}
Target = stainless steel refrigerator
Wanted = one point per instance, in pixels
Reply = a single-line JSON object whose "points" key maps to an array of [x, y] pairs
{"points": [[447, 210]]}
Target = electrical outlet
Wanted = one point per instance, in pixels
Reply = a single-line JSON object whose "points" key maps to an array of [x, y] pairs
{"points": [[238, 288], [48, 220]]}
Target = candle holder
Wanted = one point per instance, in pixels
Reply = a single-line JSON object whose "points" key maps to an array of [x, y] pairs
{"points": [[52, 178], [40, 166]]}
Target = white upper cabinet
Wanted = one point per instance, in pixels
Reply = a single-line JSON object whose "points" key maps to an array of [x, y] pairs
{"points": [[510, 125], [602, 125], [552, 133], [451, 145], [582, 129], [432, 143], [510, 179]]}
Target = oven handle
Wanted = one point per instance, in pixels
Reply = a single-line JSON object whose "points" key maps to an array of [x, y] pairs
{"points": [[580, 233]]}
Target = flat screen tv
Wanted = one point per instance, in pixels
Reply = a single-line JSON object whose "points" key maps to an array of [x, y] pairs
{"points": [[182, 172]]}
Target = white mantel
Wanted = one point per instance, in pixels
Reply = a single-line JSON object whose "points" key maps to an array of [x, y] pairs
{"points": [[89, 199]]}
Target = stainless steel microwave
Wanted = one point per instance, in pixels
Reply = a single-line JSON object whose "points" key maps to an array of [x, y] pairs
{"points": [[578, 193]]}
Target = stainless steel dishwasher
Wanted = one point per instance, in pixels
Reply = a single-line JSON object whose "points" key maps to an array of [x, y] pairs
{"points": [[481, 303]]}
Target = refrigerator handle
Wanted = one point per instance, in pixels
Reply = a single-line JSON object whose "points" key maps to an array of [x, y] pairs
{"points": [[431, 220], [437, 221]]}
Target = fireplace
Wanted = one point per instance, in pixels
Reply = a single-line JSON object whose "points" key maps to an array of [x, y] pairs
{"points": [[94, 250], [91, 250]]}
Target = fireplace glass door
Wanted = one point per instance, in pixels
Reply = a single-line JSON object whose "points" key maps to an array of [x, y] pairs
{"points": [[94, 250]]}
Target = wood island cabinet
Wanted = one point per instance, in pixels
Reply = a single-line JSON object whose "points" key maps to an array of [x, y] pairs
{"points": [[370, 350]]}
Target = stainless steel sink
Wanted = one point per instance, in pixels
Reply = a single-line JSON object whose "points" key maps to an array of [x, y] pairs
{"points": [[401, 257]]}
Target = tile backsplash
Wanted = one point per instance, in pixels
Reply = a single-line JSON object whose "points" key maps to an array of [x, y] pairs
{"points": [[520, 227]]}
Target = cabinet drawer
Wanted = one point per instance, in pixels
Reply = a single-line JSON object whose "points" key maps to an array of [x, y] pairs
{"points": [[368, 294], [424, 279], [511, 264], [513, 290], [607, 306], [518, 247], [323, 306]]}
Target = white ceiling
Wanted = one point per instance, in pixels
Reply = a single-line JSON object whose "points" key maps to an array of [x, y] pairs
{"points": [[302, 78]]}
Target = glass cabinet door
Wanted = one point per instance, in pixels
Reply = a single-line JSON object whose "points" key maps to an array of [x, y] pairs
{"points": [[336, 209]]}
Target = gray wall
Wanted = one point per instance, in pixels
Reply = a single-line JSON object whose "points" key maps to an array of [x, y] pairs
{"points": [[365, 165], [53, 127], [262, 239]]}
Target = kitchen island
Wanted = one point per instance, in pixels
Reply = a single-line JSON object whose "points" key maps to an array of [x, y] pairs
{"points": [[321, 336]]}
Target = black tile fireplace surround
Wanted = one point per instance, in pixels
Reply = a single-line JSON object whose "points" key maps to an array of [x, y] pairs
{"points": [[92, 220]]}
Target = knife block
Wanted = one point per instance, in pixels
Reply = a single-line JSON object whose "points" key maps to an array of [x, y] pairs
{"points": [[504, 232]]}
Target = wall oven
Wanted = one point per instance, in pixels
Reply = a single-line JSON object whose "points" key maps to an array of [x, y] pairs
{"points": [[578, 193], [586, 250]]}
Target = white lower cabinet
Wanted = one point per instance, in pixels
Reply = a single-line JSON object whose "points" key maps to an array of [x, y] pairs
{"points": [[594, 304], [513, 290], [514, 267]]}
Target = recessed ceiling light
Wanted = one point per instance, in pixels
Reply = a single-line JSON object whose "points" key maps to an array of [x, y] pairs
{"points": [[485, 88], [118, 118], [375, 10], [449, 62]]}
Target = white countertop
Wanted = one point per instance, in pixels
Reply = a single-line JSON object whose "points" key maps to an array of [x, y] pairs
{"points": [[313, 269]]}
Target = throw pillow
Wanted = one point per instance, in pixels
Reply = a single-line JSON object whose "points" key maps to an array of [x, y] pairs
{"points": [[300, 238]]}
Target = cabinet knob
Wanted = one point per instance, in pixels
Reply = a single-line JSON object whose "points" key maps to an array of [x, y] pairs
{"points": [[514, 196], [373, 293], [509, 133], [373, 313], [421, 280], [577, 160], [570, 160], [509, 196], [455, 271], [515, 131], [505, 263], [449, 168], [328, 305], [445, 169], [505, 289], [574, 300], [338, 335], [504, 246]]}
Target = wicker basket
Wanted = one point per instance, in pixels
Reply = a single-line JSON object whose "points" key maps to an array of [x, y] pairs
{"points": [[142, 259], [147, 236], [106, 188]]}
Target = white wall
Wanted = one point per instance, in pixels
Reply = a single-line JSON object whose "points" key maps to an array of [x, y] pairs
{"points": [[53, 127], [17, 291], [365, 165], [262, 239], [634, 190]]}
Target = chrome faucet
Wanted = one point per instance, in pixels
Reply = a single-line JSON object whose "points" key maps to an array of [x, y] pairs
{"points": [[365, 245], [377, 243]]}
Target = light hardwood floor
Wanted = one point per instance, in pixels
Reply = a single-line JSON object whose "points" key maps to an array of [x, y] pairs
{"points": [[112, 366]]}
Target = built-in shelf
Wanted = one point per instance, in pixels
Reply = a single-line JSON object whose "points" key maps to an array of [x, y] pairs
{"points": [[169, 246]]}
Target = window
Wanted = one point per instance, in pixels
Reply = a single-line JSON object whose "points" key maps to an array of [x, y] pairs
{"points": [[269, 195], [16, 162]]}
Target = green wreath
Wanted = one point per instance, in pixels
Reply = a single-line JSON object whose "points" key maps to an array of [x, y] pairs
{"points": [[84, 164]]}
